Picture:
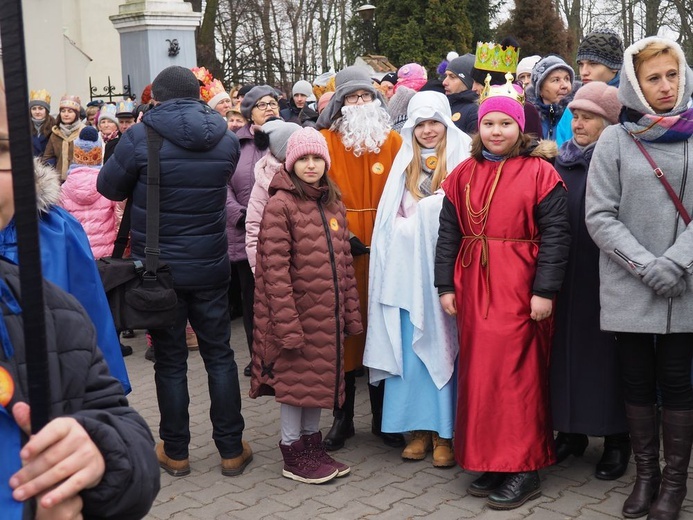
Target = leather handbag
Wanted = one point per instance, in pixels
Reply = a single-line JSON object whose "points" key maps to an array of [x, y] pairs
{"points": [[140, 293]]}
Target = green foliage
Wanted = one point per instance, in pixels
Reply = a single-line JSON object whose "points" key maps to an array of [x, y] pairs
{"points": [[538, 28], [422, 31]]}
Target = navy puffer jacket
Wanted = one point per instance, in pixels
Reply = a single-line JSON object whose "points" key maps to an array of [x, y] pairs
{"points": [[198, 156]]}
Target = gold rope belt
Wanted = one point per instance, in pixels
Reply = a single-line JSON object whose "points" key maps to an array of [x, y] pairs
{"points": [[362, 210], [484, 259]]}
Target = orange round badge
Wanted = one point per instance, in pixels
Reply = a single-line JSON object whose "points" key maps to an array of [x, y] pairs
{"points": [[378, 168], [6, 387], [456, 116], [334, 225], [431, 162]]}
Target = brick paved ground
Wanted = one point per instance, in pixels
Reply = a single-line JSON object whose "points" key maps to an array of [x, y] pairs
{"points": [[381, 485]]}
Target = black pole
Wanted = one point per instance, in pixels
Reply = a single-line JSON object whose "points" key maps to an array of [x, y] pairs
{"points": [[26, 215]]}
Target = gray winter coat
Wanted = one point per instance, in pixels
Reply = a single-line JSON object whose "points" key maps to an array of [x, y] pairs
{"points": [[633, 221]]}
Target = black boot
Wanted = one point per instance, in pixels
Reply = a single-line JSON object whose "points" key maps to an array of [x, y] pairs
{"points": [[343, 425], [644, 437], [376, 394], [570, 444], [486, 484], [677, 435], [614, 461], [517, 489]]}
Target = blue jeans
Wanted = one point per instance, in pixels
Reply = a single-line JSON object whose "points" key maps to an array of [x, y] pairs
{"points": [[207, 311]]}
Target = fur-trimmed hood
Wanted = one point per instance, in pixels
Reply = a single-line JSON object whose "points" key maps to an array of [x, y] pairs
{"points": [[544, 149], [47, 186]]}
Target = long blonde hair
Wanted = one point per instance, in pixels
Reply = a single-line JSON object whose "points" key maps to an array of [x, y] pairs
{"points": [[414, 170]]}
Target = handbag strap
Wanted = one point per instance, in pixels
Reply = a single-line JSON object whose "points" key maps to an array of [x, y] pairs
{"points": [[151, 249], [660, 175]]}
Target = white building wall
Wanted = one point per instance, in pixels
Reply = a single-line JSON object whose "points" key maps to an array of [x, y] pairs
{"points": [[62, 66]]}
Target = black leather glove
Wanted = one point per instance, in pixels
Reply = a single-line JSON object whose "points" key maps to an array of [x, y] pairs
{"points": [[358, 248]]}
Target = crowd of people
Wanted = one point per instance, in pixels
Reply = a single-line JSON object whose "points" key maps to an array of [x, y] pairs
{"points": [[504, 249]]}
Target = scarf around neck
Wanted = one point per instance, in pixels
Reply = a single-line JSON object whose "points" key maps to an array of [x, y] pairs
{"points": [[67, 130], [673, 127]]}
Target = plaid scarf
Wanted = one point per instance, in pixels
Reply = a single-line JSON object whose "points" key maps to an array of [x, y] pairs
{"points": [[655, 128]]}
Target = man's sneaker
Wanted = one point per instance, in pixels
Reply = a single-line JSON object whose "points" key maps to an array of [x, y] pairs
{"points": [[236, 465], [175, 468]]}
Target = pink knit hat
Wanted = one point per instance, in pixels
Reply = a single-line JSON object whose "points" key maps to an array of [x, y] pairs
{"points": [[599, 98], [306, 141], [506, 105], [324, 100], [411, 75]]}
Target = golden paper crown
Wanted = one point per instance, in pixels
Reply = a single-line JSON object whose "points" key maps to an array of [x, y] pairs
{"points": [[40, 95], [508, 90], [492, 57]]}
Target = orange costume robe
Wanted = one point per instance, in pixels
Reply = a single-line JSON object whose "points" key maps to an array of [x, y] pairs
{"points": [[361, 181]]}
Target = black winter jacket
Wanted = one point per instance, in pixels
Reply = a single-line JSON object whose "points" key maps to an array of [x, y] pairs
{"points": [[81, 387], [198, 156], [465, 107]]}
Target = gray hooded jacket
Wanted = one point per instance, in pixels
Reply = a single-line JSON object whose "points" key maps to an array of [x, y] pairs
{"points": [[632, 219]]}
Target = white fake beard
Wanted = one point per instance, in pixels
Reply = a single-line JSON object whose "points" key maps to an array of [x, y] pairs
{"points": [[364, 128]]}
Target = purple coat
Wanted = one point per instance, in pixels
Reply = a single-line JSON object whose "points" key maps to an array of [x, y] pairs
{"points": [[238, 194]]}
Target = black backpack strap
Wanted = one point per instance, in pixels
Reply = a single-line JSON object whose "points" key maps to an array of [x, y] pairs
{"points": [[151, 249]]}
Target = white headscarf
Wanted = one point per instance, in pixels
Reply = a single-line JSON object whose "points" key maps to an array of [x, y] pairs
{"points": [[402, 255]]}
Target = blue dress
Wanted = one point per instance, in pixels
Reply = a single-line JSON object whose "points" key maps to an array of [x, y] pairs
{"points": [[419, 406]]}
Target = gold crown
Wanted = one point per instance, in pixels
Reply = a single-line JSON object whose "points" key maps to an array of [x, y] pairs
{"points": [[40, 95], [492, 57], [508, 90]]}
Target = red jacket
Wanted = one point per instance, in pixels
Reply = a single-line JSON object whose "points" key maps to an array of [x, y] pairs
{"points": [[305, 298]]}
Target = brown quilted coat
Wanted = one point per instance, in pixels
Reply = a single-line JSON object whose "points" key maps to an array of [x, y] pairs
{"points": [[305, 298]]}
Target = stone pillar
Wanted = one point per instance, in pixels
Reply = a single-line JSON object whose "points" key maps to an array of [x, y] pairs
{"points": [[147, 29]]}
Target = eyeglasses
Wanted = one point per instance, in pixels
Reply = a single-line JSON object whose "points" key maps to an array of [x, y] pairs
{"points": [[263, 106], [352, 99]]}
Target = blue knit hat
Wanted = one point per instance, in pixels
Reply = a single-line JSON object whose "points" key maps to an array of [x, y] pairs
{"points": [[88, 149]]}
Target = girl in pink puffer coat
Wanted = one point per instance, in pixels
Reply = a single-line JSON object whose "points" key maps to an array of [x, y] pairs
{"points": [[96, 213]]}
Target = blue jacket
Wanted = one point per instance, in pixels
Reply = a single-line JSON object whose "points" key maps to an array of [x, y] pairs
{"points": [[564, 130], [198, 157]]}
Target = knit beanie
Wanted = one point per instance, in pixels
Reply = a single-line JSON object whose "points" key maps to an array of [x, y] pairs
{"points": [[175, 82], [443, 65], [602, 46], [598, 98], [245, 89], [462, 68], [306, 141], [527, 64], [71, 102], [109, 112], [400, 101], [254, 95], [324, 100], [391, 77], [279, 132], [351, 79], [506, 105], [546, 66], [88, 149], [302, 87], [411, 75]]}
